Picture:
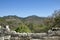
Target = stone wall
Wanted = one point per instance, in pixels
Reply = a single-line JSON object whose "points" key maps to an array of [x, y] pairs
{"points": [[7, 34], [48, 38]]}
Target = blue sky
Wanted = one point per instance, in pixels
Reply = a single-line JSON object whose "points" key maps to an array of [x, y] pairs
{"points": [[23, 8]]}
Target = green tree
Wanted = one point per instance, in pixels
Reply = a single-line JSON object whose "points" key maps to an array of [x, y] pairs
{"points": [[23, 28], [56, 18]]}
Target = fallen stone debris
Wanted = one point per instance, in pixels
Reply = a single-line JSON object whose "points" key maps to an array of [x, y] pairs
{"points": [[7, 34]]}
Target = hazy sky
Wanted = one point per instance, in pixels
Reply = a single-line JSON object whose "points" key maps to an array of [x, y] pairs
{"points": [[25, 8]]}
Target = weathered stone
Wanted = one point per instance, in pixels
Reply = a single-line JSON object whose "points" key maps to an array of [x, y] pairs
{"points": [[6, 34]]}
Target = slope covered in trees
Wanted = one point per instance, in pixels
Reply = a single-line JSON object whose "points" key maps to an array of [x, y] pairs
{"points": [[31, 23]]}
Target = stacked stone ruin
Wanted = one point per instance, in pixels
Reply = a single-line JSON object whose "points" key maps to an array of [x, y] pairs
{"points": [[7, 34]]}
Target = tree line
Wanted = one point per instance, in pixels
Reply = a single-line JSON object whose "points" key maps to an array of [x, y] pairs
{"points": [[32, 24]]}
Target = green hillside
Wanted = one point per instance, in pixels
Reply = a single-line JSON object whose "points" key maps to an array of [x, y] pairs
{"points": [[31, 23]]}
